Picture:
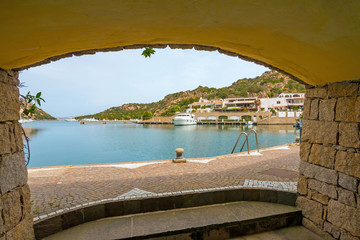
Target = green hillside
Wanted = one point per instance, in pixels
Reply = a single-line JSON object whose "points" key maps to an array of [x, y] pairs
{"points": [[269, 84]]}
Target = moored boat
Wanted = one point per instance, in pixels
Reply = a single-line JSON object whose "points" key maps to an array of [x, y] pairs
{"points": [[184, 119]]}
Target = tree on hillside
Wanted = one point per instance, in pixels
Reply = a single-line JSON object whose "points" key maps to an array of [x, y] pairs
{"points": [[147, 115]]}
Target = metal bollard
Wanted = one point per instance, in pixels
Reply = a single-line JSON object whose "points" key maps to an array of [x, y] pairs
{"points": [[179, 158]]}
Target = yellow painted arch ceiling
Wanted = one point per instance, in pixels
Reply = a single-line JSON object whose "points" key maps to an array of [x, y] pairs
{"points": [[317, 41]]}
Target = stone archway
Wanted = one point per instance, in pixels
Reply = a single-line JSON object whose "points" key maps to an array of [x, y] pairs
{"points": [[308, 46]]}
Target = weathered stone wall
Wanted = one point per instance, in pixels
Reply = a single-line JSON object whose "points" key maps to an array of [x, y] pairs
{"points": [[16, 220], [329, 182]]}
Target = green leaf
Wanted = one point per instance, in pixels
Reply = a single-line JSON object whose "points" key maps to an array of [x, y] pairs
{"points": [[38, 95], [148, 52]]}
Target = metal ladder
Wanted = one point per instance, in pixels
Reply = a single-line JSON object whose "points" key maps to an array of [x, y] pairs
{"points": [[247, 140]]}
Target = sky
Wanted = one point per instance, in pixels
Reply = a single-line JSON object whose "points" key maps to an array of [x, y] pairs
{"points": [[90, 84]]}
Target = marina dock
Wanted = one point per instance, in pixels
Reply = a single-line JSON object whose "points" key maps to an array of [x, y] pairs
{"points": [[111, 121]]}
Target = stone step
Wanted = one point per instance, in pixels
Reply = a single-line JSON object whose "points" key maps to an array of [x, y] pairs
{"points": [[288, 233], [219, 221]]}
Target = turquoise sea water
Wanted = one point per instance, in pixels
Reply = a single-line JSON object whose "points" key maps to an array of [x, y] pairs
{"points": [[54, 143]]}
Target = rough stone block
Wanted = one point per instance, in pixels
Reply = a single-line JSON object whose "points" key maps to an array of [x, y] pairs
{"points": [[334, 231], [10, 138], [320, 132], [24, 230], [306, 112], [310, 209], [346, 197], [13, 172], [349, 135], [327, 133], [320, 173], [1, 219], [319, 197], [314, 109], [9, 77], [302, 185], [5, 144], [25, 201], [12, 211], [323, 156], [323, 188], [345, 89], [309, 131], [305, 151], [345, 109], [316, 92], [347, 182], [327, 110], [316, 229], [9, 102], [348, 163], [345, 217], [347, 236], [357, 110]]}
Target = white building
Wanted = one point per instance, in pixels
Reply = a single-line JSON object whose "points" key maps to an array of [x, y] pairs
{"points": [[284, 101], [204, 105], [241, 103]]}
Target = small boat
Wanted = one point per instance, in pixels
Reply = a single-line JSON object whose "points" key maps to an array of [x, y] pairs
{"points": [[25, 120], [70, 120], [184, 119]]}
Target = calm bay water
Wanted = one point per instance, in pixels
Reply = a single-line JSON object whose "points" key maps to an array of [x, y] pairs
{"points": [[55, 143]]}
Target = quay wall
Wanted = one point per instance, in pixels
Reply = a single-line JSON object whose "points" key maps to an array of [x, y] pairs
{"points": [[329, 182], [262, 118], [16, 220]]}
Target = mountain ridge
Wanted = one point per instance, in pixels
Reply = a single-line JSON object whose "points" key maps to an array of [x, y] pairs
{"points": [[269, 84]]}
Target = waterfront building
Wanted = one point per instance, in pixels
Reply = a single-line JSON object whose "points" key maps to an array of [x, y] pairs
{"points": [[204, 105], [285, 101], [241, 103]]}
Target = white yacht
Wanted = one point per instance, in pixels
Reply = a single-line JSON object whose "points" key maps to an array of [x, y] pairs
{"points": [[25, 120], [70, 120], [184, 119]]}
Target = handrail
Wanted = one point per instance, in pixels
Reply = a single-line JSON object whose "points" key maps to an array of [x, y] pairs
{"points": [[239, 139], [247, 140]]}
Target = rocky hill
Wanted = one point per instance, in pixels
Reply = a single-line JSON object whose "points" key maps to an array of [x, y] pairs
{"points": [[269, 84], [38, 115]]}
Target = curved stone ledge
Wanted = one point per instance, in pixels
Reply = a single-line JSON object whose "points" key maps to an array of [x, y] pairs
{"points": [[67, 218]]}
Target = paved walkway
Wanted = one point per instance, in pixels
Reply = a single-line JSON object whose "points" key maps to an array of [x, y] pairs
{"points": [[58, 188]]}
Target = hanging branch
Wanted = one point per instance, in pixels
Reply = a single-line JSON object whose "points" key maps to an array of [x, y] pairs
{"points": [[30, 108], [27, 147]]}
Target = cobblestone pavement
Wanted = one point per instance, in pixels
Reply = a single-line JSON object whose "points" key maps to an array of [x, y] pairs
{"points": [[57, 188]]}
